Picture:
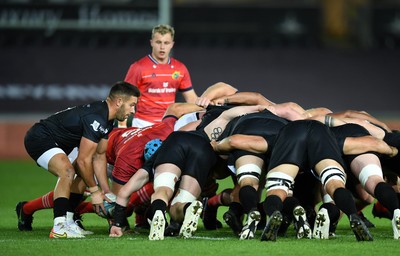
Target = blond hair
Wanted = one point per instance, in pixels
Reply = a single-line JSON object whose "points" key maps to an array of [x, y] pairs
{"points": [[163, 29]]}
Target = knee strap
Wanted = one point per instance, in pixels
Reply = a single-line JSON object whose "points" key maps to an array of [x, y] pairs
{"points": [[278, 180], [248, 171], [332, 173]]}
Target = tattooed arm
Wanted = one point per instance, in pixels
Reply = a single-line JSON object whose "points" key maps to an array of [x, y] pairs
{"points": [[216, 127]]}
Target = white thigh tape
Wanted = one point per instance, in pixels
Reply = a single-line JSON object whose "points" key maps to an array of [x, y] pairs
{"points": [[183, 196], [44, 159], [165, 179], [369, 170]]}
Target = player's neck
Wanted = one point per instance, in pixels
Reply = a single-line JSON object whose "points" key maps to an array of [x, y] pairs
{"points": [[112, 112]]}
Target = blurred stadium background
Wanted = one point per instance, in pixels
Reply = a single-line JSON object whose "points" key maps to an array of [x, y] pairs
{"points": [[341, 54]]}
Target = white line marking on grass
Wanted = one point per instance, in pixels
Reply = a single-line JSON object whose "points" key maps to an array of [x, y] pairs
{"points": [[197, 237], [211, 238]]}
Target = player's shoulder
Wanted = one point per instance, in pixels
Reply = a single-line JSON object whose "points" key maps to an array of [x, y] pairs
{"points": [[142, 61], [176, 62]]}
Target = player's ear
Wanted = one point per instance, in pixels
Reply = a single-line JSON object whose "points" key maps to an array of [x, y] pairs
{"points": [[120, 101]]}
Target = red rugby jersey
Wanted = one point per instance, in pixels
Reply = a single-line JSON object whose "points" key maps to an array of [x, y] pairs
{"points": [[126, 145], [158, 84]]}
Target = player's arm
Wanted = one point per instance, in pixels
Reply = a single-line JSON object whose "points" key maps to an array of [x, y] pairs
{"points": [[362, 115], [244, 98], [216, 127], [190, 96], [328, 120], [251, 143], [100, 166], [179, 109], [364, 144], [215, 91], [372, 129], [84, 162], [138, 180]]}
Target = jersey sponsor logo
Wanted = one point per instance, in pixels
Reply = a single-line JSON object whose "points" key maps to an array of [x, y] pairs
{"points": [[161, 90], [176, 75], [165, 84], [97, 127]]}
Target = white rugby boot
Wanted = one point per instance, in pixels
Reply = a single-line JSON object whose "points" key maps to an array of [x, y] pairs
{"points": [[321, 225], [192, 215], [157, 226]]}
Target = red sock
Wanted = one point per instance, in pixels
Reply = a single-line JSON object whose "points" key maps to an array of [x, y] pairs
{"points": [[215, 200], [380, 207], [84, 207], [43, 202], [142, 196]]}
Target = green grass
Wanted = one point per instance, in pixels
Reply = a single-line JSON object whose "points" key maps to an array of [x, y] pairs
{"points": [[23, 180]]}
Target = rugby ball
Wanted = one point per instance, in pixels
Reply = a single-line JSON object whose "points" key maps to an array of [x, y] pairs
{"points": [[109, 207]]}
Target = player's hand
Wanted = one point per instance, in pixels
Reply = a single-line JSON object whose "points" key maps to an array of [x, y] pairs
{"points": [[218, 102], [214, 144], [202, 102], [97, 201], [115, 231]]}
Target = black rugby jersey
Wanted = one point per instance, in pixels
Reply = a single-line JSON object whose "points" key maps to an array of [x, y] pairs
{"points": [[67, 127]]}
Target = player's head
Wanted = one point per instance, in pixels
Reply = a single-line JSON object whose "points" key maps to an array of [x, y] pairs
{"points": [[151, 147], [123, 97]]}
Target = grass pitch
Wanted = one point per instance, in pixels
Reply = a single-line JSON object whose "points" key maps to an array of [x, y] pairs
{"points": [[24, 180]]}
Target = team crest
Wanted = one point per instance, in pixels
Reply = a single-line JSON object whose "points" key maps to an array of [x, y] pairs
{"points": [[95, 125], [176, 75]]}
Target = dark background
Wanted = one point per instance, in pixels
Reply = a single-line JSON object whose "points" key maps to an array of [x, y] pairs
{"points": [[348, 62]]}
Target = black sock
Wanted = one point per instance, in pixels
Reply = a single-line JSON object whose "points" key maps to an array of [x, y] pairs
{"points": [[289, 204], [344, 201], [60, 208], [248, 198], [158, 205], [74, 200], [185, 207], [386, 195], [236, 208], [272, 203], [333, 211]]}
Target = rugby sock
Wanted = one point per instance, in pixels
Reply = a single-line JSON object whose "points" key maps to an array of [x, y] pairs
{"points": [[380, 211], [333, 212], [142, 196], [215, 200], [236, 208], [43, 202], [288, 206], [220, 199], [345, 201], [185, 208], [248, 197], [84, 207], [74, 200], [385, 194], [271, 204], [158, 205], [61, 205]]}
